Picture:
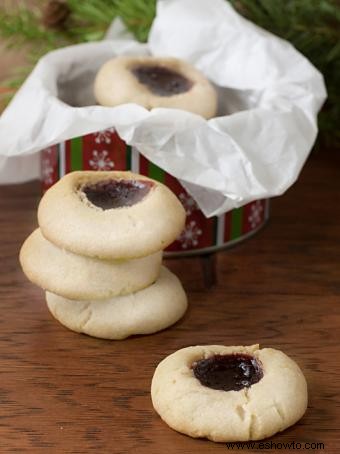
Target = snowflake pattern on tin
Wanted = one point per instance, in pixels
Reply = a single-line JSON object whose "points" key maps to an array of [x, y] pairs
{"points": [[188, 203], [104, 136], [101, 160], [47, 167], [190, 235], [255, 217]]}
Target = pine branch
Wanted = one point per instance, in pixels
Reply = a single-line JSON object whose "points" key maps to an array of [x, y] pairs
{"points": [[23, 27], [137, 16], [93, 12]]}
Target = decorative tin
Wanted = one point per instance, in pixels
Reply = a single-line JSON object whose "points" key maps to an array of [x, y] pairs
{"points": [[105, 150]]}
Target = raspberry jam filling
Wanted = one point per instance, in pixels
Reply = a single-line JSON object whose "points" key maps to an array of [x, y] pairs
{"points": [[116, 193], [228, 372], [161, 81]]}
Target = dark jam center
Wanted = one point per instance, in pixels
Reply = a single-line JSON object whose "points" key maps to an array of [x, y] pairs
{"points": [[116, 193], [162, 81], [228, 372]]}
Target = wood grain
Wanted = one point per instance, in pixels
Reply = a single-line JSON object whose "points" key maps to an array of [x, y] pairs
{"points": [[67, 393]]}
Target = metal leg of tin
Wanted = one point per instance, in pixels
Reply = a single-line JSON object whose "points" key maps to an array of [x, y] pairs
{"points": [[209, 270]]}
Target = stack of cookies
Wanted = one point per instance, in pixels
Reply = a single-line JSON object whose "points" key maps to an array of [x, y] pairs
{"points": [[98, 254]]}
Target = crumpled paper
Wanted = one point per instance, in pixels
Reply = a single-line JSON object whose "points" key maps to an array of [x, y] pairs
{"points": [[269, 96]]}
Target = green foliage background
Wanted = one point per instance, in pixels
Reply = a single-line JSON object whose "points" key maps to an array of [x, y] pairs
{"points": [[313, 26]]}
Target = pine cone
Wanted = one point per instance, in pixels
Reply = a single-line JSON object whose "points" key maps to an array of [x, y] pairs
{"points": [[55, 14]]}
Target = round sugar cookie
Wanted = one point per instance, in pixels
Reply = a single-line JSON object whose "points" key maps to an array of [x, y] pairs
{"points": [[229, 393], [110, 215], [155, 82], [79, 277], [147, 311]]}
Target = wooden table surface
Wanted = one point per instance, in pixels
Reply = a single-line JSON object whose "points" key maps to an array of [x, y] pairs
{"points": [[68, 393]]}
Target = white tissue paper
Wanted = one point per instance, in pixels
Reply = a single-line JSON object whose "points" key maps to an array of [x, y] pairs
{"points": [[269, 96]]}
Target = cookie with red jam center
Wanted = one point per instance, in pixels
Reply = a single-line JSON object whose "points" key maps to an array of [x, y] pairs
{"points": [[155, 82], [110, 215], [229, 393]]}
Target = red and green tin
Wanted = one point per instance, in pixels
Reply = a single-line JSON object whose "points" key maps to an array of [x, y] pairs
{"points": [[105, 150]]}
